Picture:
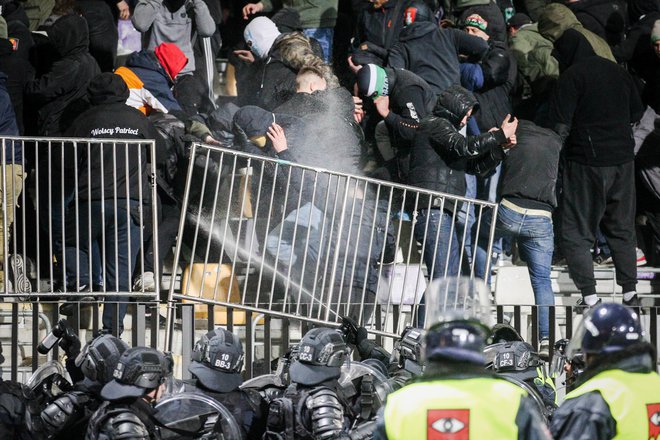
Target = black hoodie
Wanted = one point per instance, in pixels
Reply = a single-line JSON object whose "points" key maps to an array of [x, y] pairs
{"points": [[441, 155], [110, 117], [432, 53], [593, 105], [60, 93]]}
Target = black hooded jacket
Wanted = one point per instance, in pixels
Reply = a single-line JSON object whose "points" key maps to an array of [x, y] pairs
{"points": [[60, 93], [500, 71], [19, 72], [432, 53], [441, 155], [593, 105], [110, 117], [606, 18], [411, 99]]}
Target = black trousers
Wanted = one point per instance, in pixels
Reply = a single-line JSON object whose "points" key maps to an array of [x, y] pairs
{"points": [[594, 196]]}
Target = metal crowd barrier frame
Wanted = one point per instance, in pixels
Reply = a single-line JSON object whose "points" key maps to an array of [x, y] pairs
{"points": [[83, 219], [264, 336], [287, 240]]}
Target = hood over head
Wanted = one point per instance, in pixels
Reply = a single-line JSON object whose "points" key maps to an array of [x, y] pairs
{"points": [[571, 48], [171, 58], [417, 12], [454, 103], [107, 88], [69, 35], [417, 30], [260, 34], [555, 19], [638, 8]]}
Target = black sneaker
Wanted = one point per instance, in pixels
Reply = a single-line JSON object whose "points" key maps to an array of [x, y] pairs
{"points": [[581, 306], [635, 303]]}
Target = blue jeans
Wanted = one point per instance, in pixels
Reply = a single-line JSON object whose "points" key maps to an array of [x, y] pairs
{"points": [[441, 252], [324, 36], [119, 258], [535, 238]]}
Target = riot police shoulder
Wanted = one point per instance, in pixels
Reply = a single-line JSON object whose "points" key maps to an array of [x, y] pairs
{"points": [[64, 410], [125, 425]]}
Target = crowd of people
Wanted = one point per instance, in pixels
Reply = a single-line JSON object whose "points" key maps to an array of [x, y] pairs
{"points": [[547, 109]]}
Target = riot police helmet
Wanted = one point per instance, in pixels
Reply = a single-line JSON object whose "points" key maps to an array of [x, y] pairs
{"points": [[457, 320], [99, 358], [606, 329], [321, 353], [217, 360], [139, 370]]}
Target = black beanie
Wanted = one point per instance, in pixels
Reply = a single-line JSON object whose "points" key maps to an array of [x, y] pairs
{"points": [[107, 88]]}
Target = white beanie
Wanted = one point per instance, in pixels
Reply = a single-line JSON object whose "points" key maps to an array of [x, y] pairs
{"points": [[260, 34]]}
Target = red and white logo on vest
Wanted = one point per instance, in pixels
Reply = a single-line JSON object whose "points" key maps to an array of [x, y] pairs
{"points": [[448, 424], [653, 410]]}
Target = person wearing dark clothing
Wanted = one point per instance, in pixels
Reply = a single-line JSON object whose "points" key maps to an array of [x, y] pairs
{"points": [[618, 393], [217, 360], [112, 190], [638, 54], [138, 384], [492, 14], [103, 35], [440, 157], [527, 197], [606, 18], [402, 99], [60, 93], [598, 185], [18, 71], [378, 29], [432, 52]]}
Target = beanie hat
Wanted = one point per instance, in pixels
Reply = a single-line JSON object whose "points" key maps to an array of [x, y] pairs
{"points": [[171, 58], [655, 34], [519, 19], [260, 34], [475, 20], [3, 28], [372, 81]]}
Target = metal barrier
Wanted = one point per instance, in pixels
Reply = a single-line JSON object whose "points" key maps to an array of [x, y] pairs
{"points": [[268, 236], [82, 213], [265, 337]]}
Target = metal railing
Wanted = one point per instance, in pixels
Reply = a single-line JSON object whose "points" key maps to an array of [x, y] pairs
{"points": [[269, 236], [78, 218]]}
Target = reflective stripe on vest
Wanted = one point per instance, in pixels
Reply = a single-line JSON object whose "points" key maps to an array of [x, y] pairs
{"points": [[634, 401], [478, 408]]}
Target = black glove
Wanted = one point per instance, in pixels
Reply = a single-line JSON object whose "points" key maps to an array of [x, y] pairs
{"points": [[349, 330], [70, 342]]}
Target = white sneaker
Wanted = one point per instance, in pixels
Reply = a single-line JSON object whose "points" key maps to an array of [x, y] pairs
{"points": [[145, 283]]}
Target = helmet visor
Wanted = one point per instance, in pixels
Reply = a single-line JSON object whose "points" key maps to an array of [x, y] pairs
{"points": [[457, 299]]}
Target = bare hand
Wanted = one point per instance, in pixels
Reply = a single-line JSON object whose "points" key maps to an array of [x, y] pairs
{"points": [[382, 104], [208, 139], [358, 111], [512, 141], [276, 136], [251, 9], [354, 67], [245, 55], [124, 10], [509, 128]]}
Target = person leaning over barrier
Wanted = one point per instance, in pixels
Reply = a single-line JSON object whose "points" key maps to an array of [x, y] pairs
{"points": [[217, 361], [618, 394], [138, 384]]}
